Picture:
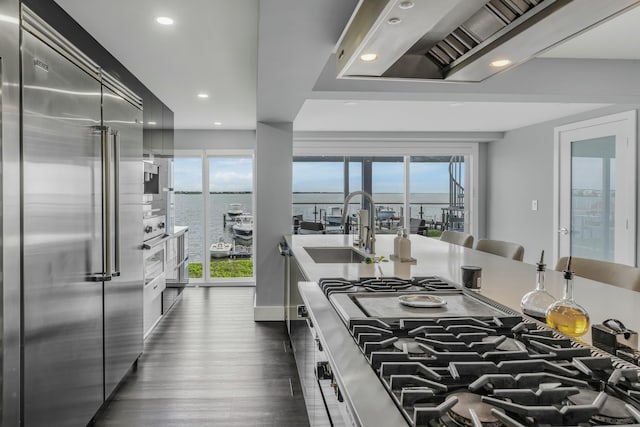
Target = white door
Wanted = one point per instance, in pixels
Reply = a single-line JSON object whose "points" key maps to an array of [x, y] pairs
{"points": [[596, 189]]}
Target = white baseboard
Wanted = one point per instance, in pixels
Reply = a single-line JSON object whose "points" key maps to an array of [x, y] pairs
{"points": [[272, 313]]}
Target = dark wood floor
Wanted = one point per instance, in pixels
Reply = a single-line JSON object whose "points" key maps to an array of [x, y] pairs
{"points": [[209, 364]]}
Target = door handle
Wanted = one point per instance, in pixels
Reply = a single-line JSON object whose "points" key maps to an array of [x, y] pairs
{"points": [[106, 201], [563, 230], [116, 200]]}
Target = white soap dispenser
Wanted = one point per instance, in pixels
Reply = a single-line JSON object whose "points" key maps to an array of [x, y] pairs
{"points": [[396, 243], [405, 246]]}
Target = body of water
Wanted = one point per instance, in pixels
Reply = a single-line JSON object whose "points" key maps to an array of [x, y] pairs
{"points": [[189, 211], [314, 205]]}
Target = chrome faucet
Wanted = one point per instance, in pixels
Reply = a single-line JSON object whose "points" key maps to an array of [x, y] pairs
{"points": [[370, 241]]}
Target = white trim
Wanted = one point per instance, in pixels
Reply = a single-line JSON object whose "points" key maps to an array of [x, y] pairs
{"points": [[187, 153], [628, 186], [214, 152], [273, 313], [346, 147], [556, 196], [407, 193], [206, 263], [421, 137]]}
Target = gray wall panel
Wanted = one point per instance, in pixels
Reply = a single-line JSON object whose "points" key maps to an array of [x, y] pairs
{"points": [[273, 215], [519, 170]]}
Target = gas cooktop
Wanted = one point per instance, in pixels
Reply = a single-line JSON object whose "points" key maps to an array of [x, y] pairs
{"points": [[495, 371], [480, 363]]}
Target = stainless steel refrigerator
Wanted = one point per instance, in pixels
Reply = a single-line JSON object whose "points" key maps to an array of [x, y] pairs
{"points": [[82, 228]]}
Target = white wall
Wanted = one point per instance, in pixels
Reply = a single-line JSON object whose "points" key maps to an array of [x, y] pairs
{"points": [[519, 170], [214, 139]]}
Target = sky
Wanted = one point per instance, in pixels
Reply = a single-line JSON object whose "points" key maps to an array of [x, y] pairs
{"points": [[235, 175]]}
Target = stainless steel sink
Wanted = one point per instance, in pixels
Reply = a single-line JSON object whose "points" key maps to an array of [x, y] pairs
{"points": [[335, 255]]}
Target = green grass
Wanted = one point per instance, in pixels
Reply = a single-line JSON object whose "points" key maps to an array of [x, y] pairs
{"points": [[223, 268], [434, 233]]}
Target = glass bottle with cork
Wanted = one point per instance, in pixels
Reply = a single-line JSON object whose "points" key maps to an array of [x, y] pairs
{"points": [[566, 315], [536, 302]]}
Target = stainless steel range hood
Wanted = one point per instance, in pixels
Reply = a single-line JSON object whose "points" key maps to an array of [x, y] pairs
{"points": [[458, 40]]}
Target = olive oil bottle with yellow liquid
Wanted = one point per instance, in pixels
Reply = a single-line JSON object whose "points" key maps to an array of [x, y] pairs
{"points": [[566, 315]]}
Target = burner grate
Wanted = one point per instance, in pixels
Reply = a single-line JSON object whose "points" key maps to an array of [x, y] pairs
{"points": [[495, 372], [385, 284]]}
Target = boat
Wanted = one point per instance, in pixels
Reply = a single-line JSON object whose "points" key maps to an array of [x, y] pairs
{"points": [[235, 209], [333, 215], [243, 228], [384, 213], [221, 249]]}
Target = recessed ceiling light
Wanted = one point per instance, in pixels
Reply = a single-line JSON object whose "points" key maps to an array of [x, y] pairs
{"points": [[152, 123], [350, 103], [203, 95], [368, 57], [456, 104], [217, 123], [164, 20], [393, 21], [498, 63], [406, 5]]}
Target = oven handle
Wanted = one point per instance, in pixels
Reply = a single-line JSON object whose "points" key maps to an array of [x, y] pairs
{"points": [[284, 249]]}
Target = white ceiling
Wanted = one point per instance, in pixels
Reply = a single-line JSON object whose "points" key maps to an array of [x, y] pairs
{"points": [[614, 39], [213, 48], [416, 116]]}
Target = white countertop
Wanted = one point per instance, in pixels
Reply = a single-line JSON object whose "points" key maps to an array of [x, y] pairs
{"points": [[503, 280], [179, 229]]}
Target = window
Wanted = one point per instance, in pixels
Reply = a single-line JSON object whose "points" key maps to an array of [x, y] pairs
{"points": [[318, 191], [437, 187], [433, 194]]}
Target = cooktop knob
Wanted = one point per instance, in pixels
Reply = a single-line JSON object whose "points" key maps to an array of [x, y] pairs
{"points": [[148, 229], [161, 225]]}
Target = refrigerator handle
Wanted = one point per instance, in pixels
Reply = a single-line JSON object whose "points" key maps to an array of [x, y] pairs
{"points": [[106, 201], [116, 200]]}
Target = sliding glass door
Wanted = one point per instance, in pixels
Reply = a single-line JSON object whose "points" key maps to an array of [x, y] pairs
{"points": [[230, 222], [214, 197], [431, 189]]}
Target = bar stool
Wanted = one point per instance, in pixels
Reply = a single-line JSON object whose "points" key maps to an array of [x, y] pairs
{"points": [[457, 238], [620, 275], [504, 249]]}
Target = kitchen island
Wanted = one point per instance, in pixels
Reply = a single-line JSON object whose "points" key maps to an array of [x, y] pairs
{"points": [[503, 280], [366, 401]]}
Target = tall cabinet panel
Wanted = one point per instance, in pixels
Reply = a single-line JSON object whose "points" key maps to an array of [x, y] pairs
{"points": [[62, 175], [123, 294]]}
